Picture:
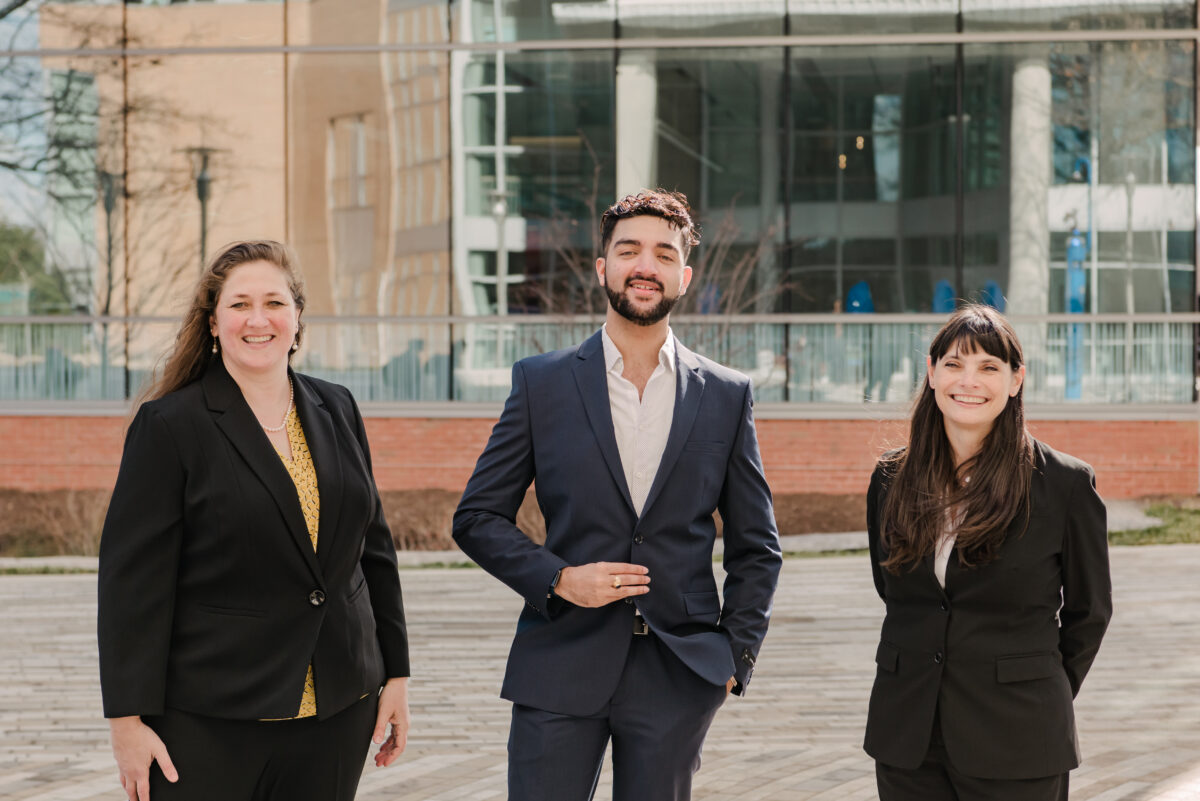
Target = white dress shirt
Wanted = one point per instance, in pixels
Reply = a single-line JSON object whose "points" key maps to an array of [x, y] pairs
{"points": [[641, 424]]}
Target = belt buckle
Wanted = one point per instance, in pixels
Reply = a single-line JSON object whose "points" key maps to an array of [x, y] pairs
{"points": [[640, 628]]}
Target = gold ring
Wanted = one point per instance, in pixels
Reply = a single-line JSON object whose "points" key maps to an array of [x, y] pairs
{"points": [[616, 582]]}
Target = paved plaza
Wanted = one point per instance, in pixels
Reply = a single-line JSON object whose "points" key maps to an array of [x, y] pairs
{"points": [[795, 736]]}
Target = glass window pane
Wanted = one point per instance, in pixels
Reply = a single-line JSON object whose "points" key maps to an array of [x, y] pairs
{"points": [[62, 187], [1061, 15], [55, 25], [524, 20], [206, 166], [537, 195], [816, 17], [872, 178], [1081, 158], [369, 185], [656, 18], [163, 23]]}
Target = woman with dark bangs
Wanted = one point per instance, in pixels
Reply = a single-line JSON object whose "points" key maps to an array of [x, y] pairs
{"points": [[990, 551]]}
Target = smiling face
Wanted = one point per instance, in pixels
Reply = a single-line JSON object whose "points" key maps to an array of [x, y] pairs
{"points": [[643, 271], [255, 319], [972, 387]]}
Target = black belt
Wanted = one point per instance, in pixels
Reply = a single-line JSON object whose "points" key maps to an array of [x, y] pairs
{"points": [[639, 626]]}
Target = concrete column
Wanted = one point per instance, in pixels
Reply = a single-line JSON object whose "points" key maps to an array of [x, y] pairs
{"points": [[1028, 289], [637, 118], [770, 166]]}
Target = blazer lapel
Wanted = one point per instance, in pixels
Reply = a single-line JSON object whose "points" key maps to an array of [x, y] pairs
{"points": [[689, 389], [321, 436], [237, 422], [592, 380]]}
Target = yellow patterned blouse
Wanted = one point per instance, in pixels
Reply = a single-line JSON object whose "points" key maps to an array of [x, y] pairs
{"points": [[304, 476]]}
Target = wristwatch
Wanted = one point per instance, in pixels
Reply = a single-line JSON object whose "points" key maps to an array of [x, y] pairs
{"points": [[554, 583]]}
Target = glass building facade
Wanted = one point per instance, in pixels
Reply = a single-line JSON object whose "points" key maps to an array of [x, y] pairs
{"points": [[857, 166]]}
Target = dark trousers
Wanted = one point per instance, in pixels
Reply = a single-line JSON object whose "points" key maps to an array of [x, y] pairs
{"points": [[935, 779], [277, 760], [656, 719]]}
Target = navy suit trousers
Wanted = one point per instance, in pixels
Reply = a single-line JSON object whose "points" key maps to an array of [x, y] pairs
{"points": [[657, 719]]}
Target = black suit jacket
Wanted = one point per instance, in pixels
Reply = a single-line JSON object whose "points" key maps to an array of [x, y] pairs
{"points": [[212, 600], [557, 426], [999, 654]]}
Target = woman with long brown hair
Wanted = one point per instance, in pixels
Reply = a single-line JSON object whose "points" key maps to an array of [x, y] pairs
{"points": [[989, 549], [251, 629]]}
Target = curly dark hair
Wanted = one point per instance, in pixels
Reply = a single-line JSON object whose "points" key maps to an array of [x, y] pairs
{"points": [[670, 206]]}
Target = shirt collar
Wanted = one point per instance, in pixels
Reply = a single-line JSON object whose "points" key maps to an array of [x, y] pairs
{"points": [[614, 362]]}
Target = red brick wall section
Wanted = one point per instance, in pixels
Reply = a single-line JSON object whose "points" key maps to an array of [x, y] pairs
{"points": [[1132, 458]]}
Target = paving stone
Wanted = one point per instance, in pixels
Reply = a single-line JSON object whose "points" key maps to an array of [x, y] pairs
{"points": [[796, 736]]}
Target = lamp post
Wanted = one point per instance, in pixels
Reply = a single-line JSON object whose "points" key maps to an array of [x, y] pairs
{"points": [[110, 185], [200, 157]]}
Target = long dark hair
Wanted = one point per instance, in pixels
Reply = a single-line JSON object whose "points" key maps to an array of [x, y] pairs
{"points": [[926, 484], [193, 349]]}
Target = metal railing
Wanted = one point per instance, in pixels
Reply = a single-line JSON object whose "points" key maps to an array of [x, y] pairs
{"points": [[843, 359]]}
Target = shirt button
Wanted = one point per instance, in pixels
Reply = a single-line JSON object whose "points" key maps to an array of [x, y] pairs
{"points": [[637, 539], [316, 597], [638, 474], [939, 657]]}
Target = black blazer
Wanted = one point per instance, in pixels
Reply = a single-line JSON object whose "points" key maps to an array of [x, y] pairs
{"points": [[1001, 652], [211, 598], [557, 427]]}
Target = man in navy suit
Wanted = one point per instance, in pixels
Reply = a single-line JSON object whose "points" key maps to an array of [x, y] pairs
{"points": [[634, 442]]}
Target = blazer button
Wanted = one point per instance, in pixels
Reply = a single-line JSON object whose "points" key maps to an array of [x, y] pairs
{"points": [[939, 657], [629, 601], [637, 539], [316, 597], [944, 607]]}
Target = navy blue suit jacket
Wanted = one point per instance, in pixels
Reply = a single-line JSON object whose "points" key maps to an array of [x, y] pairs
{"points": [[557, 428]]}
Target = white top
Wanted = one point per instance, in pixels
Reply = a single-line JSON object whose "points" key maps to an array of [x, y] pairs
{"points": [[641, 424], [941, 556], [945, 546]]}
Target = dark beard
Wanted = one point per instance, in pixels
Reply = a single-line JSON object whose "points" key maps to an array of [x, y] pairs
{"points": [[622, 306]]}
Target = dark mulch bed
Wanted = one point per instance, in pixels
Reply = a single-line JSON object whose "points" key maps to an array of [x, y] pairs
{"points": [[68, 522]]}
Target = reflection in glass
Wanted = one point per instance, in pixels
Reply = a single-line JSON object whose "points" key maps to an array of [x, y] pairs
{"points": [[164, 23], [61, 187], [535, 174], [1086, 154], [524, 20], [872, 179], [1062, 15], [674, 18], [817, 17]]}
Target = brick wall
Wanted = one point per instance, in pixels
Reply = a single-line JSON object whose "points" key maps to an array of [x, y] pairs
{"points": [[1132, 458]]}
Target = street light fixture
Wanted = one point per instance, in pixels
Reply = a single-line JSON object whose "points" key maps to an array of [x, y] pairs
{"points": [[200, 157]]}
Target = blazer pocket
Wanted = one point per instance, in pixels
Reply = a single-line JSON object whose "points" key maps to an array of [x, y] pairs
{"points": [[887, 656], [1027, 667], [228, 610], [704, 446], [701, 603], [357, 591]]}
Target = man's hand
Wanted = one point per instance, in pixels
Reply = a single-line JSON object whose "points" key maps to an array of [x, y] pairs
{"points": [[601, 583], [729, 685], [393, 709], [135, 746]]}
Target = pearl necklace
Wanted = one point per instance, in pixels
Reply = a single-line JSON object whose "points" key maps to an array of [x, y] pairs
{"points": [[291, 398]]}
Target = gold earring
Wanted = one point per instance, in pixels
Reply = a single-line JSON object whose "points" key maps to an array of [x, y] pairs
{"points": [[215, 349]]}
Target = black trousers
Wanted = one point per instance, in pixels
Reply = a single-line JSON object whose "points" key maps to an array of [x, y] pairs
{"points": [[935, 779], [250, 760], [656, 719]]}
